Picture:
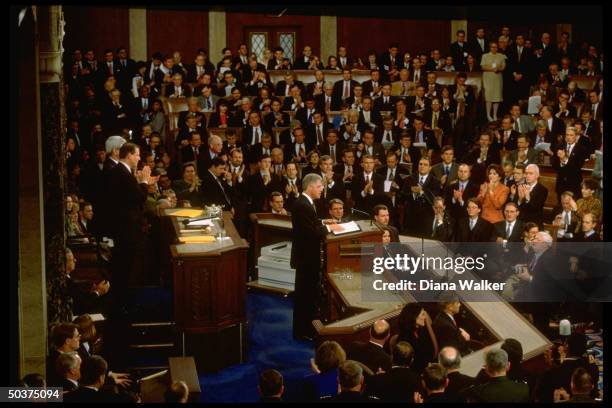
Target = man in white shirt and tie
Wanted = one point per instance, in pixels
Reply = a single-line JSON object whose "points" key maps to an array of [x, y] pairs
{"points": [[108, 58], [566, 220], [511, 228]]}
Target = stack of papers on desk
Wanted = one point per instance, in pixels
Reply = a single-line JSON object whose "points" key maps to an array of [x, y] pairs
{"points": [[347, 227], [186, 212], [198, 239]]}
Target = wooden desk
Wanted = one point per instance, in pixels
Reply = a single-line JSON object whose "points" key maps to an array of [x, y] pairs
{"points": [[352, 316], [210, 296], [268, 229]]}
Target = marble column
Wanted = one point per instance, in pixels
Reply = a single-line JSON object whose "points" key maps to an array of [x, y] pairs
{"points": [[138, 34], [329, 37], [217, 34]]}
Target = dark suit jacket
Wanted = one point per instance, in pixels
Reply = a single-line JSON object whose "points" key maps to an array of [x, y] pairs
{"points": [[320, 102], [569, 176], [289, 151], [428, 137], [339, 88], [370, 200], [397, 385], [307, 234], [324, 149], [337, 191], [458, 382], [457, 210], [187, 154], [500, 389], [419, 211], [126, 207], [479, 169], [533, 211], [459, 54], [448, 334], [371, 355], [380, 105], [311, 134], [258, 192], [213, 193], [481, 232], [187, 92], [270, 122], [444, 121], [499, 231]]}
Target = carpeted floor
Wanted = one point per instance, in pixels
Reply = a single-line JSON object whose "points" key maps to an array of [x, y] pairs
{"points": [[271, 345]]}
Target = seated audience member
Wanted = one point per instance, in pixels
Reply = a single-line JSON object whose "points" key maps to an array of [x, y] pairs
{"points": [[270, 386], [351, 381], [336, 211], [399, 384], [450, 359], [86, 296], [372, 354], [510, 229], [188, 189], [68, 368], [415, 328], [177, 393], [473, 228], [276, 204], [566, 217], [312, 158], [381, 216], [324, 380], [89, 337], [434, 381], [93, 375], [85, 217], [581, 388], [588, 232], [447, 330], [498, 388]]}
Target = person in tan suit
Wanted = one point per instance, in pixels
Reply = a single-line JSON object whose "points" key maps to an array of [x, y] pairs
{"points": [[493, 195], [403, 87]]}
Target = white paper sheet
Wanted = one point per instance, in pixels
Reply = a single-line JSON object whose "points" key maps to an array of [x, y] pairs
{"points": [[347, 227], [532, 106]]}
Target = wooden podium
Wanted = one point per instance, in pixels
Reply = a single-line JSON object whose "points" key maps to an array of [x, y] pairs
{"points": [[209, 292]]}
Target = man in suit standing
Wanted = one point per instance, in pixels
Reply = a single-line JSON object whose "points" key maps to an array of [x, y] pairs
{"points": [[479, 45], [481, 157], [419, 191], [531, 196], [440, 226], [308, 232], [459, 192], [372, 354], [447, 330], [424, 137], [126, 214], [521, 123], [344, 88], [568, 162], [214, 190], [511, 228], [459, 51], [332, 147], [446, 170], [333, 186], [367, 187], [566, 217]]}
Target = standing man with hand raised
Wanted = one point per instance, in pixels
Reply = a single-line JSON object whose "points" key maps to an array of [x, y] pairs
{"points": [[308, 233]]}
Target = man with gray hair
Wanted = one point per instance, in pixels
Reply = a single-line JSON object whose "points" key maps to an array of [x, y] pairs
{"points": [[499, 388], [68, 367], [531, 196], [308, 232], [350, 378], [450, 359], [112, 145]]}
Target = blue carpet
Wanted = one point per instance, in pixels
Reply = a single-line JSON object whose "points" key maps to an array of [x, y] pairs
{"points": [[270, 345]]}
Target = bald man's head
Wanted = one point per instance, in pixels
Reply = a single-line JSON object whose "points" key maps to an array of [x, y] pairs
{"points": [[380, 330], [449, 358]]}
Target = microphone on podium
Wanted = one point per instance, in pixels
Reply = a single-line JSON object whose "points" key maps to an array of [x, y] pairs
{"points": [[354, 210]]}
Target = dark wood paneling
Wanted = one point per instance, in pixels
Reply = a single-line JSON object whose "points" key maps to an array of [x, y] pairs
{"points": [[96, 27], [360, 35], [308, 29], [177, 30]]}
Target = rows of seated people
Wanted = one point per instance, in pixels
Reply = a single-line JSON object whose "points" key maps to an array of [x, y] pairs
{"points": [[420, 361]]}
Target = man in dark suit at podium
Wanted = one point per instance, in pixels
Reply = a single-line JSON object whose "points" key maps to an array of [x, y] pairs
{"points": [[308, 234]]}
